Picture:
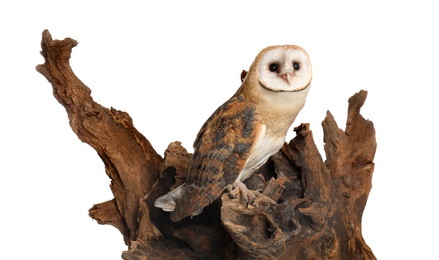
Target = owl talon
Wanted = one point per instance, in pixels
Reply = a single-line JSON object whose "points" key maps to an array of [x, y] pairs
{"points": [[246, 194], [232, 192]]}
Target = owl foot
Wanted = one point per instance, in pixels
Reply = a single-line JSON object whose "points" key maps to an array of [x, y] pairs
{"points": [[237, 187]]}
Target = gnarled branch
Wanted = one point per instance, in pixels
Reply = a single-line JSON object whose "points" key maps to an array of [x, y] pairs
{"points": [[308, 208]]}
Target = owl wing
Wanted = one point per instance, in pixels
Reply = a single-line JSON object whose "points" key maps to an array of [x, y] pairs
{"points": [[222, 149]]}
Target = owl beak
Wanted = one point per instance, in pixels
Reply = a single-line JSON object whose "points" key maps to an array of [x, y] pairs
{"points": [[286, 77]]}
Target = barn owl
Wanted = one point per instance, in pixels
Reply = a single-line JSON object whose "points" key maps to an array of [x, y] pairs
{"points": [[240, 136]]}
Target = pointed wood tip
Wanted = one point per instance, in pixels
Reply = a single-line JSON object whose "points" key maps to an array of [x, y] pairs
{"points": [[357, 100]]}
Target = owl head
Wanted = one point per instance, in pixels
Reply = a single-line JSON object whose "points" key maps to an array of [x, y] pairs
{"points": [[284, 68]]}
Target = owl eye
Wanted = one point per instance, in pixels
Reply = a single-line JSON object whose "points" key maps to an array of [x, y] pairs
{"points": [[273, 67], [296, 65]]}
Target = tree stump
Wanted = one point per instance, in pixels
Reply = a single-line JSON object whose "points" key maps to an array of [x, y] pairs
{"points": [[307, 208]]}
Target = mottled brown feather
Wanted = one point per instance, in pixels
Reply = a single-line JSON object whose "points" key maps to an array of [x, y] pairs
{"points": [[222, 148]]}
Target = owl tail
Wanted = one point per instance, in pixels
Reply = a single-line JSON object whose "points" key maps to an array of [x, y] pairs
{"points": [[168, 201]]}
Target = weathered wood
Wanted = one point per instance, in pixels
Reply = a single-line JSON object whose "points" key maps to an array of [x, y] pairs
{"points": [[130, 161], [305, 208]]}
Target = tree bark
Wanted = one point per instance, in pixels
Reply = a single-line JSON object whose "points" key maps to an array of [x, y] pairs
{"points": [[307, 208]]}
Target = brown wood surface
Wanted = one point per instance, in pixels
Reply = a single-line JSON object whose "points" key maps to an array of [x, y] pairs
{"points": [[307, 208]]}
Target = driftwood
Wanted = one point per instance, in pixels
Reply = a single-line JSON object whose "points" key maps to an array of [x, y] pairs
{"points": [[307, 208]]}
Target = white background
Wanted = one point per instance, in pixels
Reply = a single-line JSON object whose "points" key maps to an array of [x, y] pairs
{"points": [[170, 64]]}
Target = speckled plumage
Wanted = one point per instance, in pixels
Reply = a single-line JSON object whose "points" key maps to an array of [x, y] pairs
{"points": [[245, 131]]}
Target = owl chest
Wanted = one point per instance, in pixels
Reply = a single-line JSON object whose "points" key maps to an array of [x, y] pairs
{"points": [[269, 145]]}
